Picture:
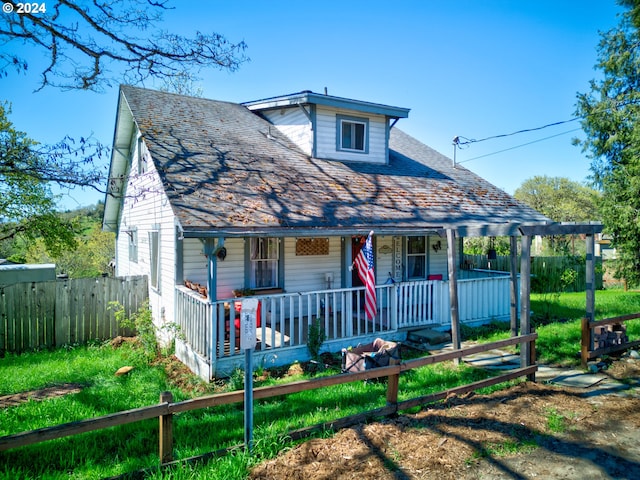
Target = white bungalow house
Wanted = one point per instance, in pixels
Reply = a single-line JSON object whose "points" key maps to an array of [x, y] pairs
{"points": [[273, 197]]}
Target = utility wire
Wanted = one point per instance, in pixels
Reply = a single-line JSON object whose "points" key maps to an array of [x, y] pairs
{"points": [[459, 141], [518, 146], [466, 141]]}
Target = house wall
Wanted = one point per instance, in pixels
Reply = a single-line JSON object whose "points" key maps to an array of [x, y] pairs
{"points": [[326, 136], [230, 271], [386, 256], [308, 272], [293, 123], [146, 207], [303, 272]]}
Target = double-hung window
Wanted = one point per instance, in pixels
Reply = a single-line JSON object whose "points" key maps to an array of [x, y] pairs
{"points": [[353, 134], [264, 256], [416, 258], [133, 244]]}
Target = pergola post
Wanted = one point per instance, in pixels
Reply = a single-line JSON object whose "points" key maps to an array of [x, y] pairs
{"points": [[525, 301], [513, 290], [590, 280], [453, 288]]}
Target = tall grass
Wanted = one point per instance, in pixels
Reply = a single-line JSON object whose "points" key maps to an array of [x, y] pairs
{"points": [[557, 320], [132, 447]]}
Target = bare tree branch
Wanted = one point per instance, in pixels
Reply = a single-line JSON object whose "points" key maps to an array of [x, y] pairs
{"points": [[83, 40]]}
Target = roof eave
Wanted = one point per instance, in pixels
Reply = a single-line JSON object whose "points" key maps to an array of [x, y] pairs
{"points": [[308, 97], [116, 181], [485, 230]]}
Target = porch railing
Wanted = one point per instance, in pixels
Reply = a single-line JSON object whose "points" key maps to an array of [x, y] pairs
{"points": [[210, 328]]}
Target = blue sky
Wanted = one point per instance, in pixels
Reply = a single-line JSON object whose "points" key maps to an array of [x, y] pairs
{"points": [[473, 69]]}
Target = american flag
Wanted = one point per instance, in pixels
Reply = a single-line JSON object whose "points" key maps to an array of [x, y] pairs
{"points": [[364, 263]]}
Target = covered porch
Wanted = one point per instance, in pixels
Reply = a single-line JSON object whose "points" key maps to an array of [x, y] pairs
{"points": [[210, 342]]}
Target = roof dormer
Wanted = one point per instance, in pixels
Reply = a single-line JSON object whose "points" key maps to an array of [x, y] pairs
{"points": [[332, 128]]}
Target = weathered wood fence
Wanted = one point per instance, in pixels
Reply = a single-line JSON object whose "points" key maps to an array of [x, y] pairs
{"points": [[165, 410], [602, 337], [54, 313]]}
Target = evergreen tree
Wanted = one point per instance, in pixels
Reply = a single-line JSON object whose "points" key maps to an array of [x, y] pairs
{"points": [[610, 114]]}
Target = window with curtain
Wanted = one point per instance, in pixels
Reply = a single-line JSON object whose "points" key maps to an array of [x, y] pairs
{"points": [[264, 256]]}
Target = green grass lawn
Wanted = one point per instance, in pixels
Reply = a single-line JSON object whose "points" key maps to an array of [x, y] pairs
{"points": [[557, 320], [132, 447]]}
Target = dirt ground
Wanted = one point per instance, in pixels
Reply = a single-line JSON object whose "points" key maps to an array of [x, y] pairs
{"points": [[529, 431]]}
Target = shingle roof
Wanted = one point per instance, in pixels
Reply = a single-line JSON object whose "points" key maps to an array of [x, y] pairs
{"points": [[224, 169]]}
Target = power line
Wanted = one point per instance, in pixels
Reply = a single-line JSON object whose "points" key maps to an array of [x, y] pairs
{"points": [[521, 145], [459, 140]]}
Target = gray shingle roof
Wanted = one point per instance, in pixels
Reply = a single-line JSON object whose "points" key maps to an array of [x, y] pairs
{"points": [[222, 172]]}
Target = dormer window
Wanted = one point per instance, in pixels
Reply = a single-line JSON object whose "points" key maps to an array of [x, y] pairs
{"points": [[352, 134]]}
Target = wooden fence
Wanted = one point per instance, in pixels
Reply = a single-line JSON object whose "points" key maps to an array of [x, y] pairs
{"points": [[549, 274], [51, 314], [165, 410], [610, 337]]}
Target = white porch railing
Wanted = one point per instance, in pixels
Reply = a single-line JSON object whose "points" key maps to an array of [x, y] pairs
{"points": [[210, 330]]}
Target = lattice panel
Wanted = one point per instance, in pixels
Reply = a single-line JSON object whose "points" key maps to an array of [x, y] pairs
{"points": [[312, 246]]}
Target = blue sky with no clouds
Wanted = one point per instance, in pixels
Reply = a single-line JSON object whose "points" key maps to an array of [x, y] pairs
{"points": [[465, 68]]}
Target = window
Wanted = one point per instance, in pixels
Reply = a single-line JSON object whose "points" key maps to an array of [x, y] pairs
{"points": [[416, 258], [133, 244], [352, 134], [264, 257], [154, 260]]}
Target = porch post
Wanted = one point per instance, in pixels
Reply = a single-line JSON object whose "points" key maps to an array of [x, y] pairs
{"points": [[209, 248], [590, 278], [210, 252], [513, 251], [348, 283], [525, 301], [453, 288]]}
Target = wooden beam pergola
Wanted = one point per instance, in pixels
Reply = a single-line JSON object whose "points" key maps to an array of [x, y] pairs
{"points": [[526, 232]]}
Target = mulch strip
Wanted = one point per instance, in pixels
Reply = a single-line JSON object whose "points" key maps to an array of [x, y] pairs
{"points": [[40, 394]]}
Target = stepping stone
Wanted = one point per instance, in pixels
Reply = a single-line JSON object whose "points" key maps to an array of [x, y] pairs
{"points": [[430, 336], [577, 379]]}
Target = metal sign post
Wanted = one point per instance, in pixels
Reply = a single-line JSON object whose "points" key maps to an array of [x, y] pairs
{"points": [[248, 313]]}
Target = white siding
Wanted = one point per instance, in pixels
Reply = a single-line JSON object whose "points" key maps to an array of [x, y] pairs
{"points": [[293, 123], [438, 260], [383, 261], [146, 207], [302, 273], [308, 272], [326, 136], [230, 271], [194, 261]]}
